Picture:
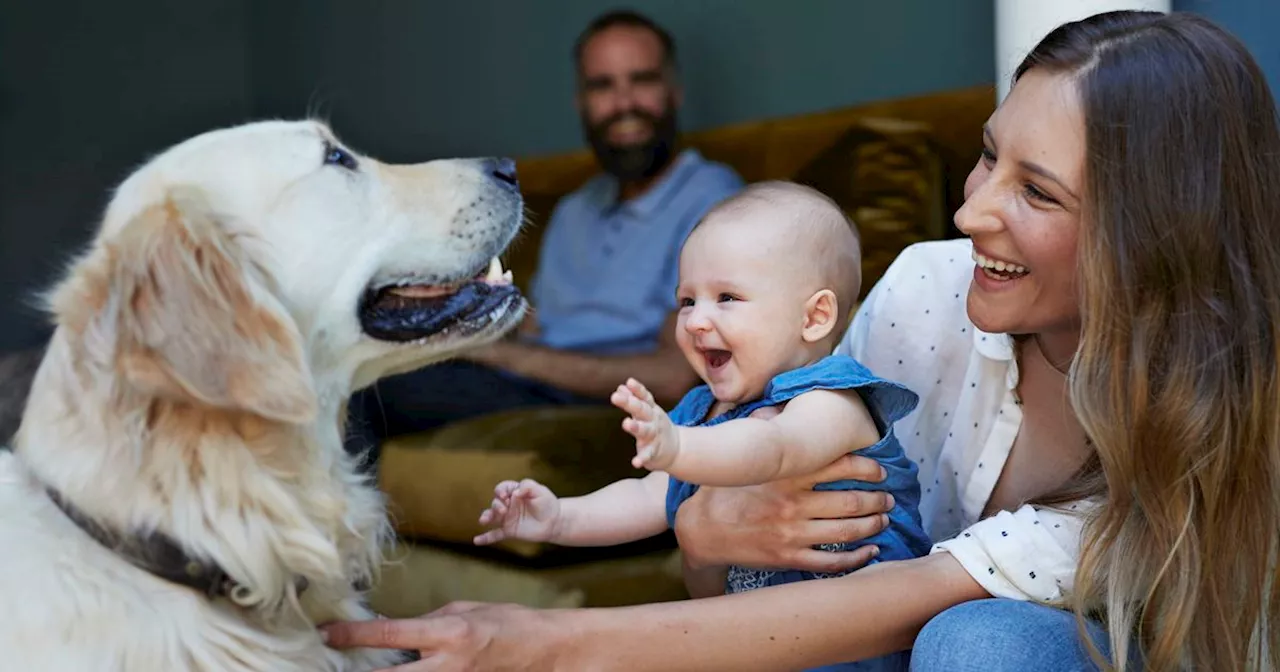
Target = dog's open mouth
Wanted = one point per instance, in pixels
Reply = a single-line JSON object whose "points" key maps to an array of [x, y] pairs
{"points": [[486, 301]]}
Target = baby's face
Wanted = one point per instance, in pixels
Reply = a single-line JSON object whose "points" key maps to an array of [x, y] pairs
{"points": [[741, 307]]}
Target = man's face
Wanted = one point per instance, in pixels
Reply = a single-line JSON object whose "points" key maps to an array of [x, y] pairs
{"points": [[627, 99]]}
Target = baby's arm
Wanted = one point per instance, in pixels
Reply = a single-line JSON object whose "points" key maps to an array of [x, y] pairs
{"points": [[621, 512], [810, 432]]}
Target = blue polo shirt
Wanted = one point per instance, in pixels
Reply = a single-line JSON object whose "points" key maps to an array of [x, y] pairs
{"points": [[608, 271]]}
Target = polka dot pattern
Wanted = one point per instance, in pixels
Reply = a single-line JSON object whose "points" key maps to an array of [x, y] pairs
{"points": [[913, 328]]}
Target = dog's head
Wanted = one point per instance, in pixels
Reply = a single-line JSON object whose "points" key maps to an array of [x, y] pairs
{"points": [[255, 267]]}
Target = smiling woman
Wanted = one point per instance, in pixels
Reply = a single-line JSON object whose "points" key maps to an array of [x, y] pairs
{"points": [[1022, 212]]}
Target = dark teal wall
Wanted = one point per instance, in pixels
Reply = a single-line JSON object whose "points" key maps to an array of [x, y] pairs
{"points": [[419, 79], [87, 90], [414, 79], [1256, 22]]}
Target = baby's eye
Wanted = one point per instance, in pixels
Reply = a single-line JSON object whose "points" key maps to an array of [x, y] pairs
{"points": [[728, 297], [686, 302]]}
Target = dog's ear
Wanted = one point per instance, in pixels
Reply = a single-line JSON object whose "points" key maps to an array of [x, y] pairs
{"points": [[193, 318]]}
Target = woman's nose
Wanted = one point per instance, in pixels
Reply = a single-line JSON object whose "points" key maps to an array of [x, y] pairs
{"points": [[981, 211]]}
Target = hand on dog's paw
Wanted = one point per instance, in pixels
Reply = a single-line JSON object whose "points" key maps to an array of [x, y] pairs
{"points": [[657, 438], [525, 510]]}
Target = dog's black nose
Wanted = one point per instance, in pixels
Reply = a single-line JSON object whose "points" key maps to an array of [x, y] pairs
{"points": [[502, 170]]}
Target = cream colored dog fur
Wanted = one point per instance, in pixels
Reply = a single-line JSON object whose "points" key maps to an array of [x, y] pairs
{"points": [[205, 346]]}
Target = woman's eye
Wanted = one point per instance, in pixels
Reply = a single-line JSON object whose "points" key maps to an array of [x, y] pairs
{"points": [[988, 155], [337, 156], [1034, 193]]}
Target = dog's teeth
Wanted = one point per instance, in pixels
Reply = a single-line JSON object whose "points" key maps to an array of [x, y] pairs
{"points": [[508, 277], [495, 270]]}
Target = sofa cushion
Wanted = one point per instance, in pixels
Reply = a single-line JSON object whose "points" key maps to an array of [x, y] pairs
{"points": [[888, 177], [420, 578], [438, 482]]}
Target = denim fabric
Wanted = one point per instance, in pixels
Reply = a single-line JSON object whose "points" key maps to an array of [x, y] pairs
{"points": [[1002, 635], [888, 402]]}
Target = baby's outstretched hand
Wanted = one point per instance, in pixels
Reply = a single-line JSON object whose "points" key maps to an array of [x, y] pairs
{"points": [[657, 440], [525, 510]]}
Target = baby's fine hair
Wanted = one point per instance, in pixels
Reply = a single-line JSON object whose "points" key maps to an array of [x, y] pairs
{"points": [[829, 239]]}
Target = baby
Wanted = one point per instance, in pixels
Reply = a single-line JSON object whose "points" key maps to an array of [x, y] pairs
{"points": [[767, 280]]}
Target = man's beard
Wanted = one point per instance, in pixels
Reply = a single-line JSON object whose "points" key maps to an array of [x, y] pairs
{"points": [[633, 163]]}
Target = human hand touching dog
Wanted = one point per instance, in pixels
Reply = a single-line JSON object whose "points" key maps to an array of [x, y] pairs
{"points": [[657, 438]]}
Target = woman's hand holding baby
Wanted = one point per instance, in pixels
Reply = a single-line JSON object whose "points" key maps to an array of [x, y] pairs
{"points": [[778, 524], [657, 438], [524, 510]]}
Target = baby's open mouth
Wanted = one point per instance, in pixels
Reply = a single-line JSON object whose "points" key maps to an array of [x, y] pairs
{"points": [[717, 358]]}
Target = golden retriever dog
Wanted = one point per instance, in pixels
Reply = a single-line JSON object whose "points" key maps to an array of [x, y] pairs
{"points": [[177, 496]]}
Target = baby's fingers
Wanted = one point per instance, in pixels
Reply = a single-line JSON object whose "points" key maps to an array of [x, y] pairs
{"points": [[529, 489], [642, 458], [639, 408], [497, 511], [505, 489], [637, 388], [622, 397], [643, 431], [490, 537]]}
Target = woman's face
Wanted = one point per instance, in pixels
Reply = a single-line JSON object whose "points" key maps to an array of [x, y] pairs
{"points": [[1022, 209]]}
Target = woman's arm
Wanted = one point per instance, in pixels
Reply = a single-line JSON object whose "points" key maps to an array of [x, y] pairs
{"points": [[869, 613], [872, 612]]}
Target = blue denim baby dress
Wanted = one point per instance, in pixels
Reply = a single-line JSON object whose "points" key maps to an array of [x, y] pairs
{"points": [[887, 402]]}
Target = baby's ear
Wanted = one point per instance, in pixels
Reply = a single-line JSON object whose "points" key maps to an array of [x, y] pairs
{"points": [[820, 314], [192, 319]]}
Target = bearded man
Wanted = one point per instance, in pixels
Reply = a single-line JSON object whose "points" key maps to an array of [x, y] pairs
{"points": [[603, 298]]}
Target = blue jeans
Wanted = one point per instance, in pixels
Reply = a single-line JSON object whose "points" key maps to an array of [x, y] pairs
{"points": [[999, 635]]}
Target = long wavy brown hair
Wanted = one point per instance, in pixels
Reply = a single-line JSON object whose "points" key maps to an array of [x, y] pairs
{"points": [[1177, 375]]}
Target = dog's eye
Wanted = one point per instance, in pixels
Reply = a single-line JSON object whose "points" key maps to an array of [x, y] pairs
{"points": [[337, 156]]}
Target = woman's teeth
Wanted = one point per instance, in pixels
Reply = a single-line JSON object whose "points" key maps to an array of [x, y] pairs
{"points": [[1004, 268]]}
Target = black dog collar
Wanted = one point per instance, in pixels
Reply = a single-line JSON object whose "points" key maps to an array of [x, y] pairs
{"points": [[155, 553]]}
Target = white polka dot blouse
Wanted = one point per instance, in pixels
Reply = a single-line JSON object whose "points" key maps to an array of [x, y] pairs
{"points": [[913, 328]]}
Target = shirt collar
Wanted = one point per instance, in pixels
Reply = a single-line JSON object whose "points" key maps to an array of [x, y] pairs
{"points": [[993, 346], [657, 196], [999, 348]]}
